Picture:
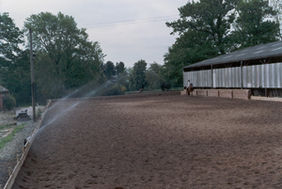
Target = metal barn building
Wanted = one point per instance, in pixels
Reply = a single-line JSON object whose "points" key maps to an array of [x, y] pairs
{"points": [[258, 68]]}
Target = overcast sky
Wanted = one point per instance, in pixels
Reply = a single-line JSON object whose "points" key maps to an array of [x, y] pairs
{"points": [[127, 30]]}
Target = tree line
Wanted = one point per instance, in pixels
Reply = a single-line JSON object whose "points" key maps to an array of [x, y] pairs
{"points": [[208, 28], [65, 59]]}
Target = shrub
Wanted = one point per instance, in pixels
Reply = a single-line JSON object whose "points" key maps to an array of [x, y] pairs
{"points": [[9, 102], [115, 89], [165, 86]]}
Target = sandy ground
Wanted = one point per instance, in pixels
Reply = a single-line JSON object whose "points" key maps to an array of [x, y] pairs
{"points": [[158, 142]]}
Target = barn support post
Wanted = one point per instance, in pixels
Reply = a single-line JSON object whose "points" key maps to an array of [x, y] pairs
{"points": [[242, 81]]}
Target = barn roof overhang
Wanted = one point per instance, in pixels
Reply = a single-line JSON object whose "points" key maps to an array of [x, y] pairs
{"points": [[261, 53]]}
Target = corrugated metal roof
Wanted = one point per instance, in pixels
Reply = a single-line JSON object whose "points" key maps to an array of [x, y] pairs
{"points": [[3, 89], [251, 53]]}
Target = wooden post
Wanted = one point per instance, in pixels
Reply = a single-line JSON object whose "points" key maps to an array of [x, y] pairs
{"points": [[32, 76]]}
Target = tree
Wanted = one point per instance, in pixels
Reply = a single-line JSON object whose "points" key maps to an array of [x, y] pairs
{"points": [[120, 68], [109, 69], [211, 18], [255, 24], [17, 78], [189, 48], [10, 38], [203, 31], [65, 51], [154, 77], [137, 78], [14, 63]]}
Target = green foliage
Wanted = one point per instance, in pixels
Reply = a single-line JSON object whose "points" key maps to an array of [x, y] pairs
{"points": [[210, 18], [120, 68], [137, 78], [16, 77], [10, 38], [65, 58], [208, 28], [202, 34], [14, 66], [115, 89], [252, 25], [5, 140], [9, 102], [154, 77], [109, 69]]}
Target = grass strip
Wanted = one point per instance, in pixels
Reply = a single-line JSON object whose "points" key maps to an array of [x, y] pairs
{"points": [[5, 140], [4, 127]]}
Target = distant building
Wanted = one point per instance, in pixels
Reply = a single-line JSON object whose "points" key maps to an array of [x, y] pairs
{"points": [[3, 92], [258, 68], [277, 5]]}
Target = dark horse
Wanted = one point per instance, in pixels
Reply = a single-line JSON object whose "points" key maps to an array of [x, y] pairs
{"points": [[189, 89]]}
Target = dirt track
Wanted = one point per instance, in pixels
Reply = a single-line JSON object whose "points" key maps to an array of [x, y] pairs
{"points": [[159, 142]]}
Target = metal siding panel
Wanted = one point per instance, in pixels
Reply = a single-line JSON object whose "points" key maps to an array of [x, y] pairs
{"points": [[208, 78], [203, 79], [214, 79], [258, 76], [232, 77], [208, 75], [237, 77], [226, 78], [244, 77], [275, 75], [254, 77], [263, 76], [184, 78], [267, 75], [238, 71], [219, 78], [279, 70], [222, 77], [249, 76], [198, 79], [228, 84], [274, 83]]}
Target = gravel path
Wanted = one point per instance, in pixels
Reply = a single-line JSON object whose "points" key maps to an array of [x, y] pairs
{"points": [[158, 142], [8, 154]]}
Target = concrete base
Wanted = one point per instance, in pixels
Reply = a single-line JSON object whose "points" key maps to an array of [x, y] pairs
{"points": [[224, 93]]}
